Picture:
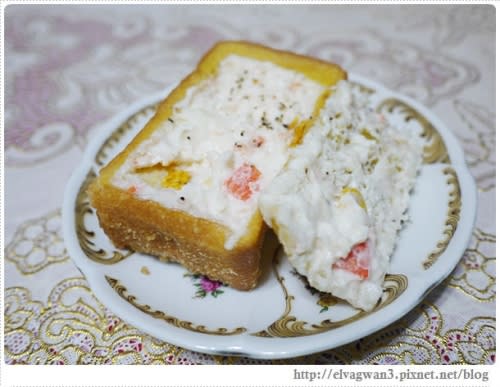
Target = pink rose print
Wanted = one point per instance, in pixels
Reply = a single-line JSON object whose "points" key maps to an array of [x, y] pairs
{"points": [[208, 285], [205, 286]]}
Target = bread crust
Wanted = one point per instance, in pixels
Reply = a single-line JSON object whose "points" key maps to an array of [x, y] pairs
{"points": [[198, 244], [173, 235]]}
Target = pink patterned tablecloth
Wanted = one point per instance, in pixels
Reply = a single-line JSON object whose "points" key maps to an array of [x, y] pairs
{"points": [[68, 68]]}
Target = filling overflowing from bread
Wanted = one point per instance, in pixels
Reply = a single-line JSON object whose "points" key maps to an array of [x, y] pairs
{"points": [[339, 202]]}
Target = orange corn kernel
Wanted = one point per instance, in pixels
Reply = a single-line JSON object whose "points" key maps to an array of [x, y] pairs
{"points": [[357, 196], [299, 130], [176, 178]]}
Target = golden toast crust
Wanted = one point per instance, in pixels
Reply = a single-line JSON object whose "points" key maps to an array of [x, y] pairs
{"points": [[198, 244]]}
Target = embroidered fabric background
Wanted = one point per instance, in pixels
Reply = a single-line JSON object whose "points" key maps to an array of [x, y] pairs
{"points": [[68, 68]]}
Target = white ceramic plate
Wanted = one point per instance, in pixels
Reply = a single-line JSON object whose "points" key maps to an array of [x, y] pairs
{"points": [[282, 317]]}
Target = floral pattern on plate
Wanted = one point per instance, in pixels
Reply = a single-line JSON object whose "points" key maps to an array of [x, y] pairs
{"points": [[205, 286]]}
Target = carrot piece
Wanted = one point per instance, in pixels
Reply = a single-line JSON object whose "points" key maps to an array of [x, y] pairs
{"points": [[241, 183], [357, 261]]}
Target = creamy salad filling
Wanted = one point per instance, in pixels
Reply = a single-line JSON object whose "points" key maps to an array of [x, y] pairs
{"points": [[224, 143], [341, 199]]}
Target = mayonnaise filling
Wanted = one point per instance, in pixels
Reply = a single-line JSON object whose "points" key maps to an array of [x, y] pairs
{"points": [[340, 201], [224, 143]]}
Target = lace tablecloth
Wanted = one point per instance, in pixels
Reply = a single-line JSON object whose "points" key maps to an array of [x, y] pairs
{"points": [[68, 68]]}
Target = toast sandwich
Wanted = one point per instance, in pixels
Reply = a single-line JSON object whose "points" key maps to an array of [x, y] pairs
{"points": [[186, 188]]}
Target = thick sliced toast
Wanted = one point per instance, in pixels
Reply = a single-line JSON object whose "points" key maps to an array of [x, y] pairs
{"points": [[200, 243]]}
